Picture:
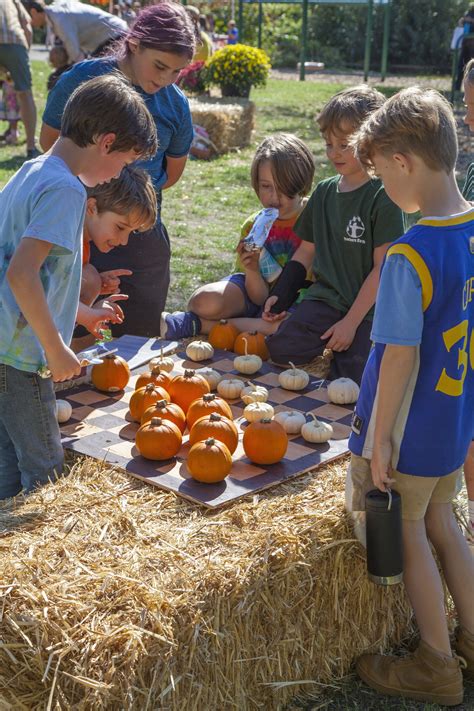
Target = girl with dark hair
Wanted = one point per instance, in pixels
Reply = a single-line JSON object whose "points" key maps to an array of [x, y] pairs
{"points": [[156, 48]]}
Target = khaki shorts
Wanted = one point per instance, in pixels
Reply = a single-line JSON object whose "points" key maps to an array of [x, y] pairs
{"points": [[417, 492]]}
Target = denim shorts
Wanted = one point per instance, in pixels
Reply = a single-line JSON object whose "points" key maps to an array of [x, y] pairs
{"points": [[31, 453], [251, 310], [14, 57]]}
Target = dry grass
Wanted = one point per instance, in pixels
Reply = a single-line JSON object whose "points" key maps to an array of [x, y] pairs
{"points": [[116, 596]]}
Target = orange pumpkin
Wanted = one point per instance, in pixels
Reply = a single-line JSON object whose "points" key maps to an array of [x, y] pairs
{"points": [[144, 398], [112, 374], [223, 335], [209, 461], [156, 376], [255, 344], [218, 427], [158, 439], [167, 411], [186, 388], [210, 402], [265, 442]]}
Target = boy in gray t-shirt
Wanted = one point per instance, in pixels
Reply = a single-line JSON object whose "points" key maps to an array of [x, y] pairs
{"points": [[42, 210]]}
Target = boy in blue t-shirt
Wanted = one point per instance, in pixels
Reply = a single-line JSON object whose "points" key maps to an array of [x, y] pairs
{"points": [[105, 126], [414, 419]]}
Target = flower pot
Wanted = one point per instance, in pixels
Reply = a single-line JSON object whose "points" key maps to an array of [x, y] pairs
{"points": [[233, 90]]}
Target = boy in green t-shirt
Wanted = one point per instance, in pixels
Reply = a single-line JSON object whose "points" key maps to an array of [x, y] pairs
{"points": [[346, 228]]}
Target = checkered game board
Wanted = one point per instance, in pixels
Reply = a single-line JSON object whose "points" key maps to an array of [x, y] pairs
{"points": [[100, 427]]}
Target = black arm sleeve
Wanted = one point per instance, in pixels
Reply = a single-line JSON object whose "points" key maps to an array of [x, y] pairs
{"points": [[290, 281]]}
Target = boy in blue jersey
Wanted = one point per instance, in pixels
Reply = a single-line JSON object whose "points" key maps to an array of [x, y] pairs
{"points": [[105, 125], [414, 419]]}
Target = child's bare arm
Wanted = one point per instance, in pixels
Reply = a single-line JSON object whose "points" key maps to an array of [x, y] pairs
{"points": [[341, 334], [25, 283], [255, 284], [395, 372]]}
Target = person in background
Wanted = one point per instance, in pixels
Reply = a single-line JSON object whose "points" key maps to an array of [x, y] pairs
{"points": [[9, 110], [83, 29], [204, 49], [15, 40], [467, 45], [59, 60], [128, 13], [232, 33]]}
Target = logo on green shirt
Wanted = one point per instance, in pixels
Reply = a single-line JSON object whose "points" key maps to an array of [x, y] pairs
{"points": [[354, 230]]}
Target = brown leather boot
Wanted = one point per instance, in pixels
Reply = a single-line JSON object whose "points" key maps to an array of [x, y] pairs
{"points": [[464, 646], [426, 675]]}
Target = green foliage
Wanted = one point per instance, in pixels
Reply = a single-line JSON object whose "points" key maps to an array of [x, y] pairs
{"points": [[420, 32]]}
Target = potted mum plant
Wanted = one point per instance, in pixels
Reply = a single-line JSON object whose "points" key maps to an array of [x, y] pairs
{"points": [[191, 78], [236, 68]]}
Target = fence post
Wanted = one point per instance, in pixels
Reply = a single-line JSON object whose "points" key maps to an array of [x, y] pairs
{"points": [[368, 38], [304, 44]]}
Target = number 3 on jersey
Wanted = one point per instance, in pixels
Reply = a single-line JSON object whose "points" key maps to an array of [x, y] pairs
{"points": [[457, 334]]}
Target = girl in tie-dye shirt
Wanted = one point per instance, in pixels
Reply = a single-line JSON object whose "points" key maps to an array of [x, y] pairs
{"points": [[281, 174]]}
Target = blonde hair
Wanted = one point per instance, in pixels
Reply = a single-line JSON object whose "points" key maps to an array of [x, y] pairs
{"points": [[291, 163], [131, 193], [469, 72], [415, 120], [348, 109]]}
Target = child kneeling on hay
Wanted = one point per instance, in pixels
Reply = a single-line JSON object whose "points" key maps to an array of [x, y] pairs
{"points": [[414, 418], [114, 211], [282, 173], [468, 192], [346, 229], [105, 125]]}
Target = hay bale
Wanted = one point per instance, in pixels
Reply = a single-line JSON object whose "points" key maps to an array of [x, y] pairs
{"points": [[229, 122], [114, 595]]}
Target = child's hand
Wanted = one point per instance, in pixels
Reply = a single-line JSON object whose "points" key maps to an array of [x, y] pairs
{"points": [[110, 281], [381, 467], [105, 311], [63, 363], [266, 313], [340, 334], [249, 260]]}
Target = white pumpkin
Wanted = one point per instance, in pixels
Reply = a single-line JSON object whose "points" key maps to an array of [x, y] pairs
{"points": [[199, 350], [164, 362], [257, 411], [316, 431], [247, 364], [63, 410], [212, 376], [254, 393], [291, 420], [230, 388], [343, 391], [293, 378]]}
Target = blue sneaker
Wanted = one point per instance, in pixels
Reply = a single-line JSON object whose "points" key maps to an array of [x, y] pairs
{"points": [[179, 324]]}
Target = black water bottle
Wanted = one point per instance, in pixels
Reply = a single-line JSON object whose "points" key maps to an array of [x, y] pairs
{"points": [[384, 537]]}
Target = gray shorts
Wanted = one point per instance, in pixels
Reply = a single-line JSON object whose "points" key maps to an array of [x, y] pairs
{"points": [[14, 57]]}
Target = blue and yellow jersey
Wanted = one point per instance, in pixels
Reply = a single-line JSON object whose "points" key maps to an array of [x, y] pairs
{"points": [[435, 423]]}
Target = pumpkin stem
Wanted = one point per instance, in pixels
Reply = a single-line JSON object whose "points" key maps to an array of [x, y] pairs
{"points": [[160, 404], [109, 356], [156, 370], [156, 421], [149, 387], [188, 373], [292, 365], [246, 350], [208, 397], [215, 417], [209, 442], [223, 321], [315, 419]]}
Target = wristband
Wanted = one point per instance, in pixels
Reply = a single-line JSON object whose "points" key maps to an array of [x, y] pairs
{"points": [[290, 281]]}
